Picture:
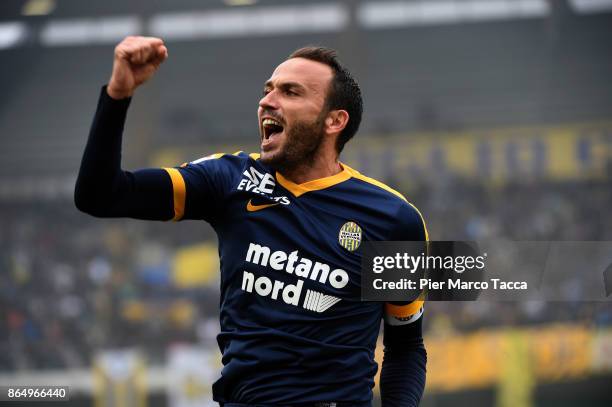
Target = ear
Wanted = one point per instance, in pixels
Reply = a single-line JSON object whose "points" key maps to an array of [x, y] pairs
{"points": [[336, 121]]}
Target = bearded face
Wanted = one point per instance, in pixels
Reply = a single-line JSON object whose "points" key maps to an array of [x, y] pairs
{"points": [[292, 113]]}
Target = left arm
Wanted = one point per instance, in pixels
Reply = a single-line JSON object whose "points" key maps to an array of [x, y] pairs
{"points": [[402, 377]]}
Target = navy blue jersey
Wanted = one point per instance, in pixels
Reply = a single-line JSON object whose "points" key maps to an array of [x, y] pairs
{"points": [[293, 331], [293, 328]]}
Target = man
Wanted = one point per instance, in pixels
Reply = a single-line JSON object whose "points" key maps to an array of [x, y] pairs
{"points": [[290, 222]]}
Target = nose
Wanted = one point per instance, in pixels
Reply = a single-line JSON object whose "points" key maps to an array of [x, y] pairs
{"points": [[269, 101]]}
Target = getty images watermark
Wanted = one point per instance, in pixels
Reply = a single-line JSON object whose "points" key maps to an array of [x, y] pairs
{"points": [[498, 270]]}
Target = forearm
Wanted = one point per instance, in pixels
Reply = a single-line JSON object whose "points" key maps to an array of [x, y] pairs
{"points": [[103, 189], [403, 372], [402, 377]]}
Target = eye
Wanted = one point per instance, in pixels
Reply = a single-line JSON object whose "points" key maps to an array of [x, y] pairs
{"points": [[265, 92], [290, 92]]}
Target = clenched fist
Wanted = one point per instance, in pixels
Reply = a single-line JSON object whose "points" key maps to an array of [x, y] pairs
{"points": [[136, 60]]}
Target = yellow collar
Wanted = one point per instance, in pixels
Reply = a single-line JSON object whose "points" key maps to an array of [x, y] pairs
{"points": [[315, 184]]}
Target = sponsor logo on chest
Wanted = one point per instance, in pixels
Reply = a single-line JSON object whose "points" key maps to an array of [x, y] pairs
{"points": [[262, 184], [302, 268]]}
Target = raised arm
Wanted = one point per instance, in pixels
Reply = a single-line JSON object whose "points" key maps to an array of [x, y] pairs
{"points": [[103, 189]]}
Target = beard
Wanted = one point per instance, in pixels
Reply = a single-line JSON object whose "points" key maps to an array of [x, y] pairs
{"points": [[303, 141]]}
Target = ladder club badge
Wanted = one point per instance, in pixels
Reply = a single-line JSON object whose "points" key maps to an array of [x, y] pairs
{"points": [[350, 236]]}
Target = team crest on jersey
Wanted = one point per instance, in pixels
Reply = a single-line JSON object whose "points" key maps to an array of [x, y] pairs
{"points": [[350, 236]]}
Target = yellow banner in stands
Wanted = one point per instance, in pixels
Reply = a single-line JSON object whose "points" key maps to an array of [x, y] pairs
{"points": [[540, 153], [513, 357], [195, 266]]}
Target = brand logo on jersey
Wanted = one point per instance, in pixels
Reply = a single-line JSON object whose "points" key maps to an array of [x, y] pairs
{"points": [[350, 236], [301, 267], [255, 208], [319, 302], [262, 184]]}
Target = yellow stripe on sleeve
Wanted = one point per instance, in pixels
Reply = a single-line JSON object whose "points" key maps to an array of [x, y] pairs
{"points": [[422, 220], [180, 192]]}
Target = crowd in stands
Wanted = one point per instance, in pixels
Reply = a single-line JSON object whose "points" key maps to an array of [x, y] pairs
{"points": [[72, 285]]}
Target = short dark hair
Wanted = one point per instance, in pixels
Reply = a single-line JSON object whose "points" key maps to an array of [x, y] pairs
{"points": [[344, 92]]}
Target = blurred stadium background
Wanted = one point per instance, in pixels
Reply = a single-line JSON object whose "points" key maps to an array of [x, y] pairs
{"points": [[493, 116]]}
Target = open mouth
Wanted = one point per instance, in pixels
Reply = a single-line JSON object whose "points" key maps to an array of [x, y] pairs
{"points": [[271, 128]]}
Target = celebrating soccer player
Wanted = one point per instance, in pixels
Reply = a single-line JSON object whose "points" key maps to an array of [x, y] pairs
{"points": [[290, 222]]}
